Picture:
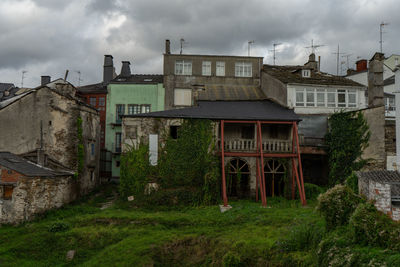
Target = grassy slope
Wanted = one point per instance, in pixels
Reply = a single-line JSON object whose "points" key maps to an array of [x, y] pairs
{"points": [[124, 235]]}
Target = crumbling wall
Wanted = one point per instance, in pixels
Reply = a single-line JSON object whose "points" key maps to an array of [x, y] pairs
{"points": [[36, 195], [381, 194]]}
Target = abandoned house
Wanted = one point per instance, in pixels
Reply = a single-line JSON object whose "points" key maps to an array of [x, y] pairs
{"points": [[27, 188], [314, 96], [49, 126], [256, 139]]}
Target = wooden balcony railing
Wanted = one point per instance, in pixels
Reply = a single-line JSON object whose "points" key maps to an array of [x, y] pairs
{"points": [[271, 146]]}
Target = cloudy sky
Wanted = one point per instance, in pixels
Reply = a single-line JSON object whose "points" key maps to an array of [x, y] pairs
{"points": [[47, 37]]}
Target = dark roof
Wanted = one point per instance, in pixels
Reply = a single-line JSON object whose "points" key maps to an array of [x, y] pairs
{"points": [[139, 79], [5, 86], [7, 91], [25, 167], [231, 92], [389, 81], [292, 74], [96, 88], [265, 110]]}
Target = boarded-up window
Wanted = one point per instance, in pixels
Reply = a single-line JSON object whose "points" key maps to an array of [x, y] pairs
{"points": [[131, 132], [183, 97], [7, 191]]}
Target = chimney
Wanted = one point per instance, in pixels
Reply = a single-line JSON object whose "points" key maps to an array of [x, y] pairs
{"points": [[312, 64], [375, 81], [126, 69], [108, 69], [44, 80], [167, 47], [361, 65]]}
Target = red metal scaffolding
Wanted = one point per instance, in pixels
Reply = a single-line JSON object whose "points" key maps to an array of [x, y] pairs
{"points": [[259, 155]]}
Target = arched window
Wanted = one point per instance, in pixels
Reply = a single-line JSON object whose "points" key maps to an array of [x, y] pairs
{"points": [[238, 178], [274, 172]]}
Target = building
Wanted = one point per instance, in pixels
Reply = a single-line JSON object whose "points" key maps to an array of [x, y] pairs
{"points": [[27, 188], [313, 95], [129, 94], [186, 75], [50, 126]]}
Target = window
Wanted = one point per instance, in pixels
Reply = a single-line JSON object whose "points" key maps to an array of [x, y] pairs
{"points": [[299, 98], [173, 131], [243, 69], [247, 132], [341, 98], [131, 132], [390, 103], [182, 97], [92, 101], [102, 102], [306, 73], [92, 175], [117, 163], [320, 97], [118, 142], [133, 109], [310, 97], [331, 94], [145, 108], [220, 68], [183, 67], [119, 113], [7, 191], [206, 68], [352, 98], [92, 149]]}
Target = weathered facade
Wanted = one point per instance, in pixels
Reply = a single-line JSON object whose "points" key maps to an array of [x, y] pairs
{"points": [[50, 126]]}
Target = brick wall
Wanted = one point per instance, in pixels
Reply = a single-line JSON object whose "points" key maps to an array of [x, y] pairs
{"points": [[9, 176], [396, 213], [381, 193]]}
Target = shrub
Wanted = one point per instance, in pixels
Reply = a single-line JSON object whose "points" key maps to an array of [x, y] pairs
{"points": [[336, 205], [312, 191], [301, 237], [58, 227], [352, 182], [371, 227], [231, 259], [172, 197]]}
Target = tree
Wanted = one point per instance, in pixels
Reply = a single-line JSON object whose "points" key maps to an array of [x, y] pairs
{"points": [[347, 138]]}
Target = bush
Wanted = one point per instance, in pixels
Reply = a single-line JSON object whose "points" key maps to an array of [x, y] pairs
{"points": [[172, 197], [373, 228], [58, 227], [301, 237], [232, 260], [312, 191], [336, 205]]}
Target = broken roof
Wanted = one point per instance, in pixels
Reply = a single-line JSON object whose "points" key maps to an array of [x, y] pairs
{"points": [[385, 177], [292, 74], [265, 110], [25, 167], [139, 79], [232, 92]]}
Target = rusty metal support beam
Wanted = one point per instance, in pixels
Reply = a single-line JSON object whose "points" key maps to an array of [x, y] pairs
{"points": [[299, 160], [255, 154], [264, 199], [224, 196]]}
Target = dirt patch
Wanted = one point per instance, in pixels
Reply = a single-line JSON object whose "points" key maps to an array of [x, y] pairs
{"points": [[188, 251]]}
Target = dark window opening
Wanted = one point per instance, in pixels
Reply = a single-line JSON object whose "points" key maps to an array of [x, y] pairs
{"points": [[7, 191], [49, 123], [117, 163], [173, 131], [238, 178], [248, 132]]}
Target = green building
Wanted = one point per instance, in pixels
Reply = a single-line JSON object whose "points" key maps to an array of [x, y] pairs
{"points": [[129, 94]]}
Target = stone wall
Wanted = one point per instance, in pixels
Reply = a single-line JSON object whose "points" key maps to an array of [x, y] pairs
{"points": [[36, 195], [396, 213], [381, 195]]}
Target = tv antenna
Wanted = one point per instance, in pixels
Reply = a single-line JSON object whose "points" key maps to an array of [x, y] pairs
{"points": [[383, 24], [79, 77], [337, 59], [23, 77], [249, 43], [274, 50], [313, 46], [347, 56], [183, 42]]}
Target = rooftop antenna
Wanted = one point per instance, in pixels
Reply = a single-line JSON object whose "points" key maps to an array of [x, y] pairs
{"points": [[337, 59], [347, 56], [274, 50], [23, 77], [313, 46], [249, 43], [383, 24], [182, 44], [79, 77]]}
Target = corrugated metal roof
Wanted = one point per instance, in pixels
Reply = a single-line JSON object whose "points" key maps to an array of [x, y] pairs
{"points": [[239, 92], [265, 110], [25, 167], [385, 177]]}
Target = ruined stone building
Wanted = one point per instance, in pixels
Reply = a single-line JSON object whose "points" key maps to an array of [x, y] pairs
{"points": [[49, 126]]}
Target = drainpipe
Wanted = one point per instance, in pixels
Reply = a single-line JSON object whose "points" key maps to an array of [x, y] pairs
{"points": [[397, 114]]}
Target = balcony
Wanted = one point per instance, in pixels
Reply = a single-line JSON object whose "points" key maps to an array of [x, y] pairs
{"points": [[250, 145]]}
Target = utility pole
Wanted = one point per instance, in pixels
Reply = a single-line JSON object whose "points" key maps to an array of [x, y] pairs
{"points": [[337, 59], [23, 77], [383, 24], [79, 77], [274, 50], [249, 43]]}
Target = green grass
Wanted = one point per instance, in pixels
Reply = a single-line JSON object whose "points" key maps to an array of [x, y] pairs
{"points": [[126, 235]]}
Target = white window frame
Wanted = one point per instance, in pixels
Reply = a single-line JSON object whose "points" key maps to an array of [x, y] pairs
{"points": [[206, 68], [319, 97], [182, 97], [220, 68], [298, 103], [306, 73], [183, 67], [243, 69]]}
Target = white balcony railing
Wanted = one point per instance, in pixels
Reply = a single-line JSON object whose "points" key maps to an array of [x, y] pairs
{"points": [[273, 146]]}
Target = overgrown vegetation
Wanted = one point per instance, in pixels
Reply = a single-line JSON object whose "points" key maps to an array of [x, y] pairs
{"points": [[347, 138], [187, 170]]}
